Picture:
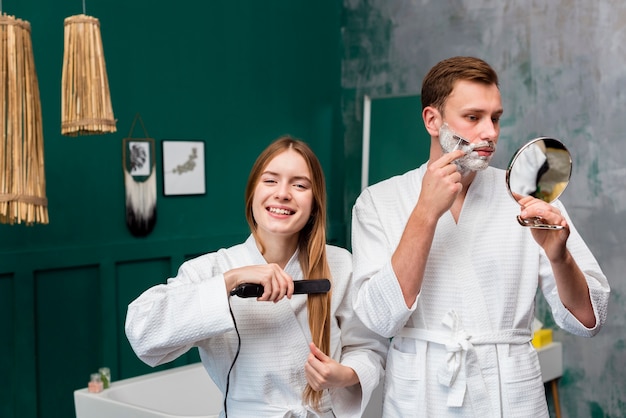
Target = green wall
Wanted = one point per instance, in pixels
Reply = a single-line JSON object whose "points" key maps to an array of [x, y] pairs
{"points": [[235, 75], [398, 140]]}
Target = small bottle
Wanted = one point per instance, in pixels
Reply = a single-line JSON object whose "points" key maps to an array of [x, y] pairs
{"points": [[105, 376], [95, 384]]}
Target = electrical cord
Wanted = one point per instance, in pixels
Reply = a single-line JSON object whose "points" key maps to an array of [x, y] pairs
{"points": [[249, 290], [234, 359]]}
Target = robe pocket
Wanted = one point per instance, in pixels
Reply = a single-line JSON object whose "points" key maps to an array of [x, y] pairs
{"points": [[404, 382], [523, 385]]}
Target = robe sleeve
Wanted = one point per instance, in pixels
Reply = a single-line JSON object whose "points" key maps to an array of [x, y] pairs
{"points": [[597, 283], [167, 320], [361, 349], [379, 302]]}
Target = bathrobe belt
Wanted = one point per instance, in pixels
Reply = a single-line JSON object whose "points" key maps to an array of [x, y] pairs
{"points": [[461, 371], [292, 411]]}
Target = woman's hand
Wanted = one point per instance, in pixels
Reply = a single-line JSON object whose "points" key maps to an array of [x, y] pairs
{"points": [[322, 372], [275, 281]]}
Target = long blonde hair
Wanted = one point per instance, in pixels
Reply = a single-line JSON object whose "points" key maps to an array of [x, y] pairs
{"points": [[311, 242]]}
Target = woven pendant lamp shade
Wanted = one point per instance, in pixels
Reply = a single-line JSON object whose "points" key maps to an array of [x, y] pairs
{"points": [[85, 99], [22, 177]]}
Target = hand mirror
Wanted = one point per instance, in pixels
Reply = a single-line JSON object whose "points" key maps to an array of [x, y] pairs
{"points": [[540, 168]]}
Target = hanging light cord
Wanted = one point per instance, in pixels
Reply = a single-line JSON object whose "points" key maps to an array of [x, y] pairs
{"points": [[84, 8], [234, 359]]}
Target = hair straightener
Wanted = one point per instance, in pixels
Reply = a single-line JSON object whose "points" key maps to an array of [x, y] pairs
{"points": [[300, 287]]}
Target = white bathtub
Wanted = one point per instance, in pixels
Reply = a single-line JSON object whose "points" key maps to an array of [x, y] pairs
{"points": [[181, 392], [188, 391]]}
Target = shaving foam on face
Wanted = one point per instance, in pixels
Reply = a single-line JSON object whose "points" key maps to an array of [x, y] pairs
{"points": [[451, 141], [471, 161]]}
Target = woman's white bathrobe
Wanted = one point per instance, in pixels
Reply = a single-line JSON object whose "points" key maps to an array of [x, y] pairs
{"points": [[463, 349], [268, 377]]}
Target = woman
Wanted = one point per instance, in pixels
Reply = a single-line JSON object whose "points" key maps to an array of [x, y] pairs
{"points": [[300, 356]]}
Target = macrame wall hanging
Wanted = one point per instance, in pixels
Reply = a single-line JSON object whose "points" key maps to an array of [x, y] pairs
{"points": [[22, 177], [85, 98], [139, 164]]}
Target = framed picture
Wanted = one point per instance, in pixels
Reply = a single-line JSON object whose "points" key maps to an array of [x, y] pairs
{"points": [[183, 168], [138, 157]]}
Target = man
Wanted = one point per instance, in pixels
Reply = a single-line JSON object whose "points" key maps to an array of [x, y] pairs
{"points": [[445, 269]]}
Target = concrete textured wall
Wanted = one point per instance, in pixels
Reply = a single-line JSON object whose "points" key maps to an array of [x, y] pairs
{"points": [[562, 67]]}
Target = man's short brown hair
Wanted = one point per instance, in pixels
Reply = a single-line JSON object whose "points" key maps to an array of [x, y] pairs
{"points": [[439, 82]]}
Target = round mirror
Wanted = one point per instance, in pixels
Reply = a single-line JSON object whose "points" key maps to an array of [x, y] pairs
{"points": [[541, 168]]}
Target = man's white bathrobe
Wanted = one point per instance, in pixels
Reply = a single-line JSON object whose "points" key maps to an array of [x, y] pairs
{"points": [[268, 377], [464, 348]]}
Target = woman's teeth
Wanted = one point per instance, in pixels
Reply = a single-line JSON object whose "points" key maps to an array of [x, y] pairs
{"points": [[280, 211]]}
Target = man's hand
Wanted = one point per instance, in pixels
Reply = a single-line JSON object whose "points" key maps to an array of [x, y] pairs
{"points": [[441, 184], [553, 241]]}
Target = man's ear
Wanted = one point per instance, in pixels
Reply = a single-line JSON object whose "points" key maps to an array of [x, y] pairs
{"points": [[432, 120]]}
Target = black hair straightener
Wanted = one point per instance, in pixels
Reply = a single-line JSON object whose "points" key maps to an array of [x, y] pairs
{"points": [[300, 287]]}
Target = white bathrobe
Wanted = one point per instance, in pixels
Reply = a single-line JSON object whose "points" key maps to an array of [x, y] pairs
{"points": [[268, 377], [464, 348]]}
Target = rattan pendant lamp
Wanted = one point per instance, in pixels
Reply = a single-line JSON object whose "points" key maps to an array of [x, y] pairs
{"points": [[22, 178], [85, 98]]}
